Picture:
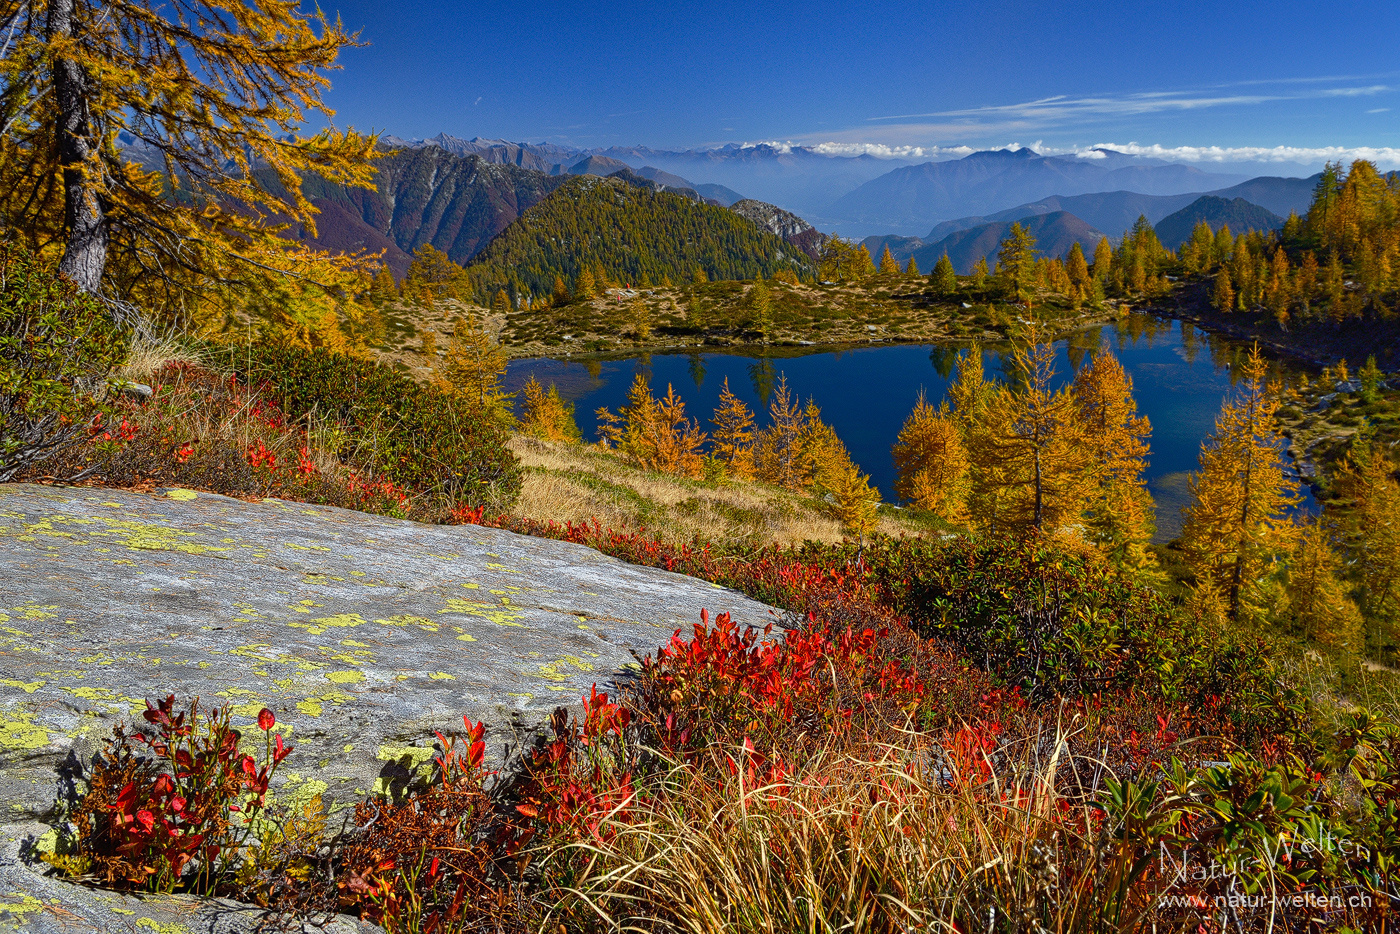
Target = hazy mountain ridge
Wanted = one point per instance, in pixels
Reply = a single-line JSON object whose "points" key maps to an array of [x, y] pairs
{"points": [[1116, 211], [1054, 233], [914, 196]]}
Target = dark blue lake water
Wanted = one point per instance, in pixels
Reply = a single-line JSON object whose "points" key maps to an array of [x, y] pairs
{"points": [[1180, 376]]}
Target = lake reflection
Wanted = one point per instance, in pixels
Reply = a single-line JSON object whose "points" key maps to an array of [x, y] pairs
{"points": [[1180, 375]]}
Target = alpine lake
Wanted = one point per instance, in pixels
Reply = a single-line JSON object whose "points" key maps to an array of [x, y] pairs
{"points": [[865, 392]]}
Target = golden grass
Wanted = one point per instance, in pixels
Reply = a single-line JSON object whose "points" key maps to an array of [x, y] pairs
{"points": [[577, 482], [901, 843], [149, 355]]}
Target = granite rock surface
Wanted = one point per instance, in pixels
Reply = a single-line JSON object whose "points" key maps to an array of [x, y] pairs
{"points": [[363, 634]]}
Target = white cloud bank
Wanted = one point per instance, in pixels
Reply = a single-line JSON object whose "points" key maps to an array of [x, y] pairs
{"points": [[1385, 157]]}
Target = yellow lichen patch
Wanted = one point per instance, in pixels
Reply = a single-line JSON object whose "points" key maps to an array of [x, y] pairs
{"points": [[32, 611], [354, 657], [472, 586], [426, 625], [442, 676], [317, 626], [28, 688], [183, 496], [345, 677], [145, 536], [306, 547], [17, 731], [357, 573], [415, 754], [555, 671], [26, 905], [311, 707], [157, 928], [485, 611], [353, 643], [465, 636], [501, 567]]}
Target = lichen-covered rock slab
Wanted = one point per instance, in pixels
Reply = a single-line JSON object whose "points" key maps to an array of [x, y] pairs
{"points": [[362, 633]]}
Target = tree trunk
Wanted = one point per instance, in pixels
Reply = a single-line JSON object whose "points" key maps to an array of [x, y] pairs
{"points": [[85, 220]]}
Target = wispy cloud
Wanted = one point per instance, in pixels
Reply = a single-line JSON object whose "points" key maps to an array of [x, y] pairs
{"points": [[1061, 109]]}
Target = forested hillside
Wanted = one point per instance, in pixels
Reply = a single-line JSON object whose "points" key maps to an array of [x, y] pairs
{"points": [[633, 235]]}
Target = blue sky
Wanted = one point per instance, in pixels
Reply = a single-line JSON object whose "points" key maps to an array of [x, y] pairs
{"points": [[1199, 81]]}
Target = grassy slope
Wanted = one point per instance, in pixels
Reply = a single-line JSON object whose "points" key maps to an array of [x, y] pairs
{"points": [[572, 482]]}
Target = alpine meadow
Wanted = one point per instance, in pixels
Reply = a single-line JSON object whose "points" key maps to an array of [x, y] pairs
{"points": [[773, 501]]}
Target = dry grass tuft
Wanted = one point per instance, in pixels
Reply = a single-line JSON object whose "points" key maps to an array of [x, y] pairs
{"points": [[150, 355]]}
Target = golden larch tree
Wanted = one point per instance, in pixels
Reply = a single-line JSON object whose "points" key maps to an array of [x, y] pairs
{"points": [[1030, 464], [855, 502], [655, 433], [1316, 605], [1238, 530], [931, 467], [732, 434], [1370, 499], [473, 366], [214, 98], [889, 266], [546, 415], [776, 451], [1119, 515]]}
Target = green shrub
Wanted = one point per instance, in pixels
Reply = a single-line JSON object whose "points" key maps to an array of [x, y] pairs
{"points": [[1054, 622], [57, 348], [416, 435]]}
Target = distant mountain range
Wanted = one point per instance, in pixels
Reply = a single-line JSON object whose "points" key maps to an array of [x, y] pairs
{"points": [[919, 195], [1054, 234], [1088, 217], [1116, 211], [863, 194]]}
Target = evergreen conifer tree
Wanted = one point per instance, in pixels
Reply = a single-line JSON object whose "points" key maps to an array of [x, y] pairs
{"points": [[913, 268], [1016, 260], [980, 273]]}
